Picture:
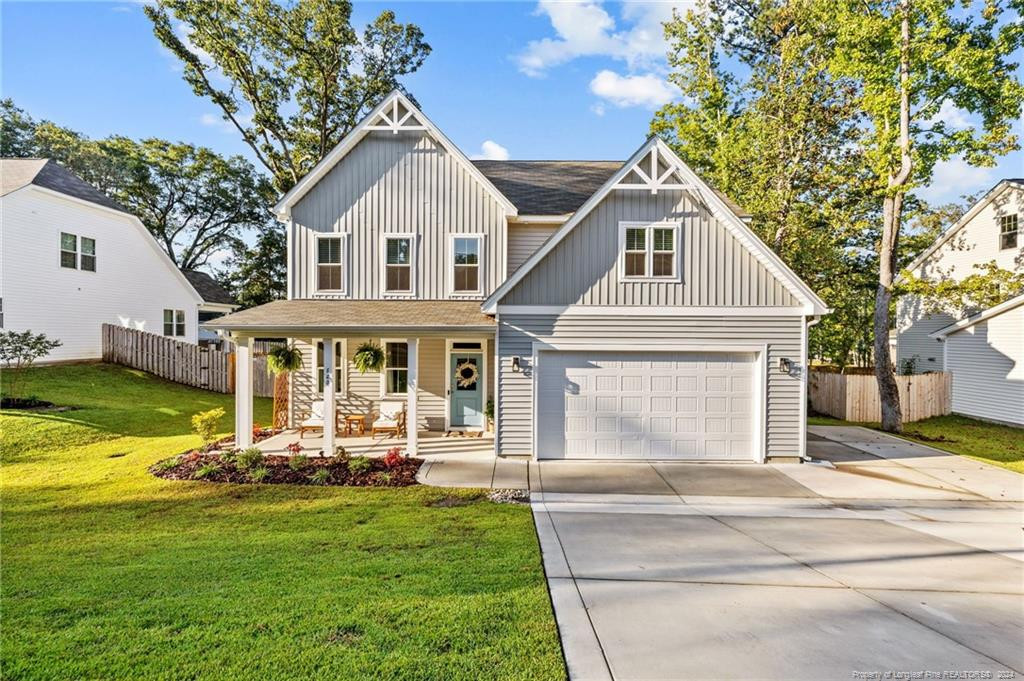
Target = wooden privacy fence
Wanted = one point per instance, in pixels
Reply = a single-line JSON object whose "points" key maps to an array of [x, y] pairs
{"points": [[181, 362], [855, 398]]}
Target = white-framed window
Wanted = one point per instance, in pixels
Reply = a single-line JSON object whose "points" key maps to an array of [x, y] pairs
{"points": [[649, 251], [396, 368], [330, 258], [339, 367], [68, 250], [87, 259], [466, 274], [1009, 229], [399, 254], [174, 322]]}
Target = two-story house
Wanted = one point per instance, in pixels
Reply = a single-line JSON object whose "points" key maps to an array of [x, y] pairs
{"points": [[983, 349], [616, 310]]}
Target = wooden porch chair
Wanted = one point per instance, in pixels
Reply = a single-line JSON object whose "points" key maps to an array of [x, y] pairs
{"points": [[389, 418], [314, 419]]}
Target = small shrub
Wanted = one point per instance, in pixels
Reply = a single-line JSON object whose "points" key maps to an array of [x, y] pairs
{"points": [[358, 464], [294, 448], [321, 477], [250, 458], [230, 456], [394, 458], [259, 473], [191, 457], [382, 478], [205, 423], [168, 464], [257, 429], [206, 470], [340, 452], [298, 462]]}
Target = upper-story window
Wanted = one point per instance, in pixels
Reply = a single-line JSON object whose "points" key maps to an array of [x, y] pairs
{"points": [[649, 251], [87, 259], [398, 256], [466, 264], [1008, 231], [70, 256], [330, 267]]}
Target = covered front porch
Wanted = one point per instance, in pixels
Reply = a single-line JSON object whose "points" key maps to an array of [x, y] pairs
{"points": [[430, 443]]}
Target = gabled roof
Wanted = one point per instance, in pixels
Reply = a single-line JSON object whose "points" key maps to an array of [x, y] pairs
{"points": [[396, 113], [970, 321], [989, 196], [676, 175], [16, 173], [208, 288]]}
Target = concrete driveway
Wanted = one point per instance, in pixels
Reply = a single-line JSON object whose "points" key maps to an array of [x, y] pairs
{"points": [[888, 557]]}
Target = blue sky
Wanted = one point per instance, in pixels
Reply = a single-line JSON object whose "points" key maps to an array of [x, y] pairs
{"points": [[522, 79]]}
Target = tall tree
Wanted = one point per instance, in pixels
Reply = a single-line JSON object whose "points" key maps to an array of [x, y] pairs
{"points": [[911, 60], [257, 274], [296, 77]]}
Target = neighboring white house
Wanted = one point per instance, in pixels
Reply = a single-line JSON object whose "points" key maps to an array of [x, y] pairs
{"points": [[73, 260], [984, 350]]}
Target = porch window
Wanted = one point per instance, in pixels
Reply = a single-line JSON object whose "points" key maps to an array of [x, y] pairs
{"points": [[339, 368], [174, 322], [398, 264], [1008, 231], [649, 251], [396, 371], [68, 250], [466, 264], [329, 266]]}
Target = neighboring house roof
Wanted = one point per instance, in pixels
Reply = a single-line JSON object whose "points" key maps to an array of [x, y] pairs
{"points": [[970, 321], [305, 315], [207, 287], [989, 196], [716, 205], [47, 173]]}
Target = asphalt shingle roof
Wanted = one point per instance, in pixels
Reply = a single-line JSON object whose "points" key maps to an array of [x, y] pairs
{"points": [[307, 315], [208, 288], [16, 173]]}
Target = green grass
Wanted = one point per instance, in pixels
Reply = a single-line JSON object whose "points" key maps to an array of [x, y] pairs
{"points": [[988, 442], [109, 572]]}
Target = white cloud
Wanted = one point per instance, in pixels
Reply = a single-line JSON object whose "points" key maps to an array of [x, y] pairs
{"points": [[218, 121], [646, 90], [491, 151], [951, 115], [953, 178]]}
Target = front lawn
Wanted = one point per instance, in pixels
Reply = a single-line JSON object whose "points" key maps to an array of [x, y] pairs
{"points": [[110, 572], [988, 442]]}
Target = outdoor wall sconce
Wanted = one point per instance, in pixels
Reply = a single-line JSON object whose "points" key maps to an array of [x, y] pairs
{"points": [[515, 365], [785, 366]]}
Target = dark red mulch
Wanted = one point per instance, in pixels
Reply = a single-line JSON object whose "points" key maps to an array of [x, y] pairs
{"points": [[403, 474]]}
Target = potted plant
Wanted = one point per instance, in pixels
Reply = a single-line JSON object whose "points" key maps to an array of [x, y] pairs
{"points": [[489, 415], [368, 357], [282, 360]]}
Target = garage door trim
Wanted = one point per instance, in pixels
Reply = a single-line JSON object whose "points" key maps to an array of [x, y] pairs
{"points": [[759, 350]]}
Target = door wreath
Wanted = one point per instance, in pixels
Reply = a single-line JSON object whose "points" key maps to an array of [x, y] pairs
{"points": [[466, 374]]}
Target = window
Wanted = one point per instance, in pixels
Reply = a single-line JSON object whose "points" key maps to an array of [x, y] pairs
{"points": [[398, 265], [466, 264], [396, 368], [174, 322], [339, 373], [68, 250], [649, 251], [88, 257], [1, 313], [329, 274], [1008, 230]]}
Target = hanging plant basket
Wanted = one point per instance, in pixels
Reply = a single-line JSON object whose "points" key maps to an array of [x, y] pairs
{"points": [[369, 357], [282, 359], [466, 374]]}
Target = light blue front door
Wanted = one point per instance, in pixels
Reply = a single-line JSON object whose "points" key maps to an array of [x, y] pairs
{"points": [[466, 390]]}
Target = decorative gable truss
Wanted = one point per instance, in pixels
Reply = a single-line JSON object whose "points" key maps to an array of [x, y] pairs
{"points": [[395, 117], [653, 172]]}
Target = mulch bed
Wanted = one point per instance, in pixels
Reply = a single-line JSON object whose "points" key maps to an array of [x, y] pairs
{"points": [[25, 403], [222, 467]]}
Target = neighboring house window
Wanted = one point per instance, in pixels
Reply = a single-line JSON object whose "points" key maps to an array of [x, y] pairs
{"points": [[329, 266], [339, 373], [466, 264], [396, 371], [398, 264], [649, 251], [88, 257], [68, 250], [1008, 231], [1, 313], [174, 322]]}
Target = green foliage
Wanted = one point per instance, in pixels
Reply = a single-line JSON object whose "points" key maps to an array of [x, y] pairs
{"points": [[359, 464], [206, 470], [168, 464], [249, 459], [489, 409], [305, 75], [382, 478], [298, 461], [259, 473], [206, 424], [283, 359], [369, 357], [257, 274], [980, 290], [18, 351], [320, 477]]}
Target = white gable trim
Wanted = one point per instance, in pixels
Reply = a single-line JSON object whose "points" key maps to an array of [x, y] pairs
{"points": [[992, 195], [387, 110], [146, 235], [968, 322], [718, 208]]}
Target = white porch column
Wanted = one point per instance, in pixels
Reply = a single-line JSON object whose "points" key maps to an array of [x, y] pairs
{"points": [[330, 412], [243, 392], [412, 438]]}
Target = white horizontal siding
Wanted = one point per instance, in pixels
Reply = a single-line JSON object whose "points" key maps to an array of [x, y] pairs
{"points": [[912, 342], [987, 363]]}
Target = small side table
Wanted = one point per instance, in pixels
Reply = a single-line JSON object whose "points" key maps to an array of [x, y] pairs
{"points": [[355, 422]]}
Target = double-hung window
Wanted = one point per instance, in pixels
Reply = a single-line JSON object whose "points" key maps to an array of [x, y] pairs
{"points": [[330, 267], [87, 259], [396, 368], [398, 255], [466, 264], [174, 322], [649, 251], [1009, 230], [339, 368], [68, 250]]}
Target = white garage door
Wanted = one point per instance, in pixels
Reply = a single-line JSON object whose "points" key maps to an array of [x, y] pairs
{"points": [[634, 405]]}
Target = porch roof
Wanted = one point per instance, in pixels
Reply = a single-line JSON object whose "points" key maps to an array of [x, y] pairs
{"points": [[318, 318]]}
